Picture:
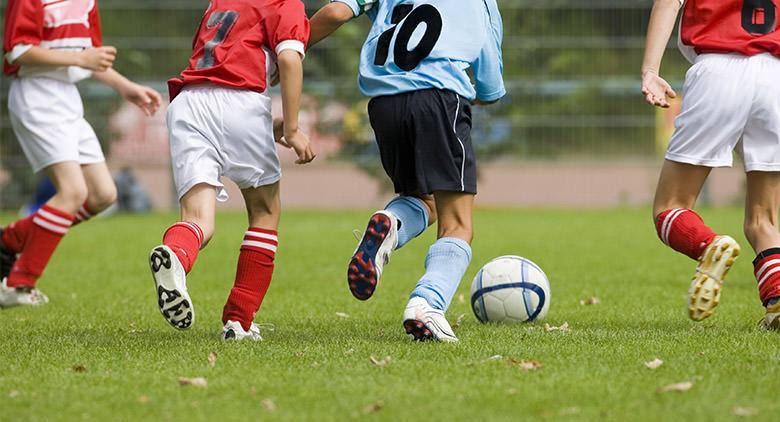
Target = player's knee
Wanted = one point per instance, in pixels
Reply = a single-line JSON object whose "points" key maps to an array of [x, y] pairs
{"points": [[102, 198], [72, 196]]}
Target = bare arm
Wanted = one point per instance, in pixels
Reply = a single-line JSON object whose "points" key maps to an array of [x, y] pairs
{"points": [[328, 19], [291, 78], [662, 19], [95, 59], [147, 99]]}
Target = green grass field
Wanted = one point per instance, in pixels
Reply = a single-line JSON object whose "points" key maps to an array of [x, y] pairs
{"points": [[100, 349]]}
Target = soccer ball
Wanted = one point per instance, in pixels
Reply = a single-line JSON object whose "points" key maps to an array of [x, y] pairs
{"points": [[510, 289]]}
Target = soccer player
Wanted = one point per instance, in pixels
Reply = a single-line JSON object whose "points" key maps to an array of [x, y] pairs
{"points": [[220, 124], [49, 46], [414, 66], [732, 102]]}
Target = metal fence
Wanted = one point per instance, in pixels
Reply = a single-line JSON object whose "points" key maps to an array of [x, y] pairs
{"points": [[571, 68]]}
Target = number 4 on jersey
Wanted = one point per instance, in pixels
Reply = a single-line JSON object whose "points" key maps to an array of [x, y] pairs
{"points": [[759, 16], [402, 57]]}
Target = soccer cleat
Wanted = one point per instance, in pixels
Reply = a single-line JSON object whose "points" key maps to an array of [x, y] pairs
{"points": [[372, 254], [170, 282], [233, 331], [423, 322], [20, 296], [714, 265], [771, 320], [7, 259]]}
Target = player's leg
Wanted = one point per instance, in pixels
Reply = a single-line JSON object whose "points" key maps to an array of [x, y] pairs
{"points": [[414, 210], [403, 218], [445, 265], [442, 125], [255, 267], [761, 230], [682, 229], [171, 261], [38, 236], [196, 175], [101, 191]]}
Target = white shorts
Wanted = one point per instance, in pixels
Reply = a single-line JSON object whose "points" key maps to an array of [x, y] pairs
{"points": [[730, 102], [47, 117], [215, 132]]}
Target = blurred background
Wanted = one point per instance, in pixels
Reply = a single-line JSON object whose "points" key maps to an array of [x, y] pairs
{"points": [[572, 131]]}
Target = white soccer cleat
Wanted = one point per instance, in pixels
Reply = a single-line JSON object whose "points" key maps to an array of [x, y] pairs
{"points": [[233, 331], [714, 265], [20, 296], [170, 282], [423, 322], [373, 252]]}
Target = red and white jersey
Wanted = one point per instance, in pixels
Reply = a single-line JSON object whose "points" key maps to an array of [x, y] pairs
{"points": [[747, 27], [53, 24], [236, 39]]}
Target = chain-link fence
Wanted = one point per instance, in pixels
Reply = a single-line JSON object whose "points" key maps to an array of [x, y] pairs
{"points": [[571, 68]]}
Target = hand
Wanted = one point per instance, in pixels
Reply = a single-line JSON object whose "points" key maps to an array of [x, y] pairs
{"points": [[147, 99], [279, 133], [98, 59], [300, 143], [656, 90]]}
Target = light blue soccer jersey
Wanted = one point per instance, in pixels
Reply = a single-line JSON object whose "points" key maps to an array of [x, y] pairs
{"points": [[423, 44]]}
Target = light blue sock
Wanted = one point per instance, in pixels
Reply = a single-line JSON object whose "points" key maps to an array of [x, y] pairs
{"points": [[445, 266], [413, 215]]}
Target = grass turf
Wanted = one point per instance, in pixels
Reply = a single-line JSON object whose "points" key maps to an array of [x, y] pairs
{"points": [[100, 349]]}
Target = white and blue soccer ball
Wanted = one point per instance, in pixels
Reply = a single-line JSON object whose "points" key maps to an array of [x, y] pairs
{"points": [[510, 289]]}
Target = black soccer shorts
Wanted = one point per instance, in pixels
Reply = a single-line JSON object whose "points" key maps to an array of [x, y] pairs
{"points": [[424, 140]]}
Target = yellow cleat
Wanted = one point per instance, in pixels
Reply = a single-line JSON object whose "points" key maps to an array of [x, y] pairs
{"points": [[704, 293], [771, 320]]}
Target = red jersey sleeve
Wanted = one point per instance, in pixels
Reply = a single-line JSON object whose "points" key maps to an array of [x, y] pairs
{"points": [[23, 23], [94, 26], [286, 25]]}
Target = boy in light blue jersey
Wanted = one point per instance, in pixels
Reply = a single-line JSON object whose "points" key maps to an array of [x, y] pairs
{"points": [[414, 65]]}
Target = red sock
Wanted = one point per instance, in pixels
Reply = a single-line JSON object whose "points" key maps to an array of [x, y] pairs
{"points": [[185, 239], [766, 267], [83, 214], [49, 225], [15, 235], [253, 276], [684, 231]]}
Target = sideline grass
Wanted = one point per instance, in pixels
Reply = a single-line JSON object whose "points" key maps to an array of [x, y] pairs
{"points": [[100, 350]]}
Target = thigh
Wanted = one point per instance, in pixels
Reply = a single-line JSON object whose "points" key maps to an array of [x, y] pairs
{"points": [[761, 143], [90, 151], [247, 140], [444, 153], [679, 186], [715, 109], [195, 158], [388, 118]]}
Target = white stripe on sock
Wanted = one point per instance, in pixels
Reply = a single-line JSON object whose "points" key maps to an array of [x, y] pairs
{"points": [[670, 218], [760, 272], [50, 226], [766, 276], [54, 218], [261, 245], [257, 235]]}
